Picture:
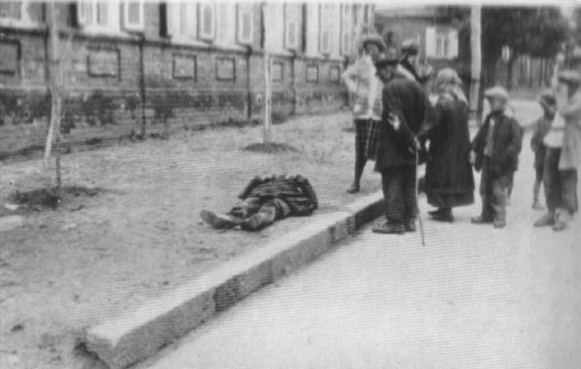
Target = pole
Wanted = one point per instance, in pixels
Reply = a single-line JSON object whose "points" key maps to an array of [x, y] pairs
{"points": [[476, 53], [267, 134], [416, 194]]}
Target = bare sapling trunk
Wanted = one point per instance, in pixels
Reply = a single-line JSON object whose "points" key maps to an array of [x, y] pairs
{"points": [[476, 52], [267, 134]]}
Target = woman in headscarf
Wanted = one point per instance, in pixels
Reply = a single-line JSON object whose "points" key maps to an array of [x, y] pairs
{"points": [[449, 179], [362, 81]]}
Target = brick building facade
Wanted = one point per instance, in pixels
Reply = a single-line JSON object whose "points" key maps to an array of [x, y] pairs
{"points": [[133, 66]]}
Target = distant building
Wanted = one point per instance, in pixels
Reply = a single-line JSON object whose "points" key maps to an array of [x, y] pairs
{"points": [[441, 44], [189, 63]]}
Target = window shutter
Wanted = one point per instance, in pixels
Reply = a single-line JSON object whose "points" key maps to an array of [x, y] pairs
{"points": [[103, 13], [191, 19], [431, 42], [291, 27], [453, 44]]}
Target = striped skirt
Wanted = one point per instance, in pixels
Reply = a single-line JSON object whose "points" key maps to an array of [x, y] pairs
{"points": [[367, 137]]}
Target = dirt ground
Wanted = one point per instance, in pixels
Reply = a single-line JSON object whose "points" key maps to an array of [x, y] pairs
{"points": [[95, 256]]}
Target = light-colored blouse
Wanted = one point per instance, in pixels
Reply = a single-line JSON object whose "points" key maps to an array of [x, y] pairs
{"points": [[361, 79]]}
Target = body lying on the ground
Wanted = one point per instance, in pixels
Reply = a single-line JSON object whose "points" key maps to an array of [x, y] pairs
{"points": [[265, 200]]}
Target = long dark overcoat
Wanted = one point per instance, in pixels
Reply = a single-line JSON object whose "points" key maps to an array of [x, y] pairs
{"points": [[408, 100], [448, 171]]}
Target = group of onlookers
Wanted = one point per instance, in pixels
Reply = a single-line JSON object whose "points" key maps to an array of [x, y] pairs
{"points": [[395, 121]]}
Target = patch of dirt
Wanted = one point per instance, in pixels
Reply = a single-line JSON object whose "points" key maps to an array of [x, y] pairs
{"points": [[273, 147], [134, 229], [50, 198]]}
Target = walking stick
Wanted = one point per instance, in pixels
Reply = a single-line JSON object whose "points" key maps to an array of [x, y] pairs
{"points": [[416, 194]]}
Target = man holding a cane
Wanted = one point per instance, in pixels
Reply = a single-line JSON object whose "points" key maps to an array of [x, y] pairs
{"points": [[406, 107]]}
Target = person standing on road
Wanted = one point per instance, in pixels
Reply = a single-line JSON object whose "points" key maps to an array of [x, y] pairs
{"points": [[362, 81], [449, 179], [405, 109], [495, 150], [563, 155], [408, 62], [541, 127]]}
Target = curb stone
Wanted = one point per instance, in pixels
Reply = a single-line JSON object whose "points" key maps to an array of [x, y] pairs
{"points": [[138, 334]]}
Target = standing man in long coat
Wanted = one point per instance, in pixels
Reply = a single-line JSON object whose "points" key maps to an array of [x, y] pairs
{"points": [[449, 178], [406, 107]]}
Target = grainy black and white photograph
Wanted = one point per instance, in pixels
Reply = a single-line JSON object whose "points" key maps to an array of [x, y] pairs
{"points": [[299, 184]]}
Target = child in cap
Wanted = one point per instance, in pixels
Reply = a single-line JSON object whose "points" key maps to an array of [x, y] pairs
{"points": [[495, 150], [541, 127]]}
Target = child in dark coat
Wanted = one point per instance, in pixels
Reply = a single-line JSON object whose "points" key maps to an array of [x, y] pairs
{"points": [[495, 151], [541, 127]]}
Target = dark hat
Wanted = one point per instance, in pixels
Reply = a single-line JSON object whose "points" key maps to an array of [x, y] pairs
{"points": [[389, 57], [410, 46], [496, 91], [373, 39], [570, 77], [547, 98]]}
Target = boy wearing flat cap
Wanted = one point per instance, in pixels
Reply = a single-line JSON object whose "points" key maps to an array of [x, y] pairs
{"points": [[563, 155], [541, 127], [495, 150]]}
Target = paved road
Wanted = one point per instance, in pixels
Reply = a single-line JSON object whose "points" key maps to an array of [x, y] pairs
{"points": [[474, 297]]}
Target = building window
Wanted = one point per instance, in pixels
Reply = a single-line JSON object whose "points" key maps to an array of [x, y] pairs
{"points": [[441, 43], [291, 27], [182, 21], [207, 21], [98, 15], [346, 17], [245, 24], [133, 15], [325, 26], [21, 13]]}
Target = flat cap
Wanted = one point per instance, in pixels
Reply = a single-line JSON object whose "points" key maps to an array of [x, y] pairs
{"points": [[389, 57], [547, 97], [570, 77], [497, 91], [374, 39], [410, 46]]}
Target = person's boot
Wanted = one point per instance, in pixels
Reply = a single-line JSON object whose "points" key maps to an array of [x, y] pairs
{"points": [[410, 226], [562, 217], [482, 220], [444, 215], [499, 223], [546, 220], [389, 228], [218, 221], [353, 189]]}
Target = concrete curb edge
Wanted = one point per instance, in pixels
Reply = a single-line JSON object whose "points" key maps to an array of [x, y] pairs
{"points": [[140, 333]]}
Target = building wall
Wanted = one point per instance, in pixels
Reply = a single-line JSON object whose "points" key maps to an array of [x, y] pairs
{"points": [[122, 84]]}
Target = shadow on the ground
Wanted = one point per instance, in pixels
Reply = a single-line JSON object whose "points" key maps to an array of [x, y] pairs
{"points": [[271, 148]]}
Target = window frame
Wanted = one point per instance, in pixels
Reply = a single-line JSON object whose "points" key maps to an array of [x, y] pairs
{"points": [[113, 24], [346, 18], [132, 26], [325, 27], [288, 21], [211, 36], [175, 11], [241, 11]]}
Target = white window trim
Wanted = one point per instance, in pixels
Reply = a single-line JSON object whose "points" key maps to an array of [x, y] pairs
{"points": [[114, 24], [325, 27], [173, 12], [346, 15], [24, 22], [206, 36], [287, 34], [127, 25], [244, 9]]}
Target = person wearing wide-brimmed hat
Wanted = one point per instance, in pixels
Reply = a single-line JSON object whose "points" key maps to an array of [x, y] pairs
{"points": [[541, 127], [495, 150], [449, 179], [406, 108], [410, 50], [563, 155], [362, 81]]}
